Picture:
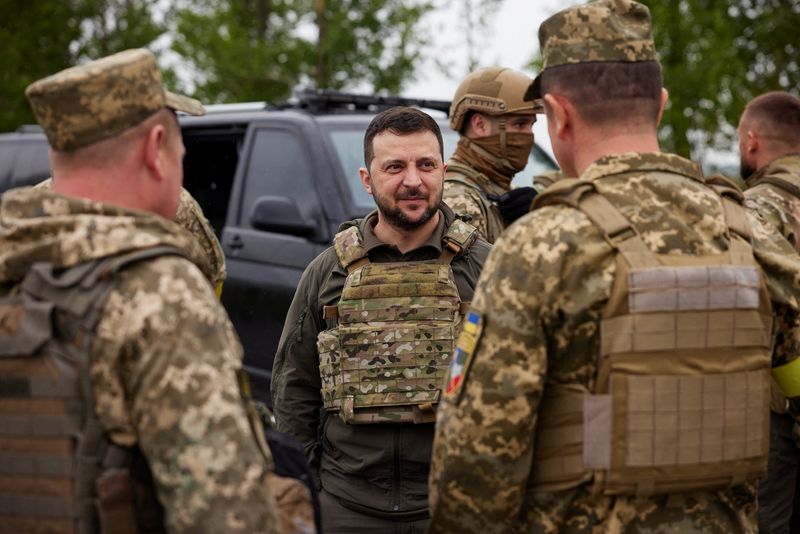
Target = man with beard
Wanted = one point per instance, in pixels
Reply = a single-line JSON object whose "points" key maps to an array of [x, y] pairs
{"points": [[370, 332], [495, 126], [769, 147]]}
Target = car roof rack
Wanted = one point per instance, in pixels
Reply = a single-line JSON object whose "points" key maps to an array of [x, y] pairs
{"points": [[320, 101]]}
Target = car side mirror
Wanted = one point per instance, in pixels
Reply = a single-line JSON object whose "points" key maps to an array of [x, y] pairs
{"points": [[281, 215]]}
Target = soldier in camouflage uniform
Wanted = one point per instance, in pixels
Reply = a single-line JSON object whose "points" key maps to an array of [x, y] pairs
{"points": [[139, 363], [611, 375], [190, 217], [495, 126], [769, 145], [370, 331]]}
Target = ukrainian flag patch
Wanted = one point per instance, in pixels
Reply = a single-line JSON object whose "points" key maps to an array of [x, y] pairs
{"points": [[465, 348]]}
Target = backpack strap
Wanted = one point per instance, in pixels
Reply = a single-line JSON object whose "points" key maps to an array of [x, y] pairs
{"points": [[732, 205], [349, 247], [458, 238], [617, 230], [781, 183], [469, 172]]}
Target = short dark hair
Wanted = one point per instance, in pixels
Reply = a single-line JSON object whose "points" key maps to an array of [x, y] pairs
{"points": [[606, 92], [399, 121], [779, 114]]}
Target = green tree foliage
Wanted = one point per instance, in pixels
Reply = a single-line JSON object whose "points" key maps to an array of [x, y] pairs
{"points": [[35, 41], [260, 49], [40, 37], [717, 55], [239, 50], [374, 41]]}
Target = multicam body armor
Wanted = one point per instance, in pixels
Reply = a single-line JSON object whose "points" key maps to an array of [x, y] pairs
{"points": [[390, 337], [682, 391], [58, 470]]}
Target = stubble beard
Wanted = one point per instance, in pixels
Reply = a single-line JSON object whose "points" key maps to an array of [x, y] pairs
{"points": [[745, 170], [397, 218]]}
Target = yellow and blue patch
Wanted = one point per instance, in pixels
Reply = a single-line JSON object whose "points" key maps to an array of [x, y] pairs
{"points": [[465, 348]]}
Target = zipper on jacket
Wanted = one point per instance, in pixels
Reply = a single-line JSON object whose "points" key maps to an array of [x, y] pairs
{"points": [[299, 326], [396, 471]]}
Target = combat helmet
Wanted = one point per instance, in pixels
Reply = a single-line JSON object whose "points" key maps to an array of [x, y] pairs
{"points": [[493, 91]]}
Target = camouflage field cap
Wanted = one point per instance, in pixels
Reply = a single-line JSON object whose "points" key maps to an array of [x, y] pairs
{"points": [[88, 103], [605, 30]]}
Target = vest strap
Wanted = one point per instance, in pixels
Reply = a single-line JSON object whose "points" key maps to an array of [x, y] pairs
{"points": [[39, 425], [37, 386], [51, 507], [36, 464]]}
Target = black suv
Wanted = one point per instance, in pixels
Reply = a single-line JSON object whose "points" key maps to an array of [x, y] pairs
{"points": [[276, 182]]}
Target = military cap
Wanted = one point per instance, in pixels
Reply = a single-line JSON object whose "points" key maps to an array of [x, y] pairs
{"points": [[600, 31], [82, 105]]}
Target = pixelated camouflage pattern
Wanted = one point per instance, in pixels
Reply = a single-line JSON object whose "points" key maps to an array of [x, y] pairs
{"points": [[541, 296], [606, 30], [163, 359], [465, 191], [88, 103], [775, 204], [190, 217], [394, 338], [544, 180], [493, 91]]}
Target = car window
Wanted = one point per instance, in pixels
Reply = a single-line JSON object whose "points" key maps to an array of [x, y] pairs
{"points": [[279, 166], [32, 164], [7, 157]]}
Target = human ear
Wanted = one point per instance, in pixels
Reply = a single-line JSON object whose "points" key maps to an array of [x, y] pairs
{"points": [[155, 144], [558, 113], [662, 105], [366, 179]]}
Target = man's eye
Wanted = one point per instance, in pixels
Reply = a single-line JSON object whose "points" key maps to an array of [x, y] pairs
{"points": [[428, 165]]}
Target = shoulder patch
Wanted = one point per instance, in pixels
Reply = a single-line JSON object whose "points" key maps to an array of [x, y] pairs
{"points": [[465, 348], [349, 246]]}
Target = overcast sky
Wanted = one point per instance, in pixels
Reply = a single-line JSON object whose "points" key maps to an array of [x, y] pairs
{"points": [[509, 41]]}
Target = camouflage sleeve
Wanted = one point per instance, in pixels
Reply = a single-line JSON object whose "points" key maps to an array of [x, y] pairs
{"points": [[163, 374], [485, 424], [781, 265], [296, 382], [770, 207], [465, 201]]}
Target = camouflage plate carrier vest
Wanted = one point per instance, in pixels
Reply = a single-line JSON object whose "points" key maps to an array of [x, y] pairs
{"points": [[390, 339], [681, 401], [58, 471], [467, 176]]}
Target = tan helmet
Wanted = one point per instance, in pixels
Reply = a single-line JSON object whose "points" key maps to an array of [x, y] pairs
{"points": [[493, 91]]}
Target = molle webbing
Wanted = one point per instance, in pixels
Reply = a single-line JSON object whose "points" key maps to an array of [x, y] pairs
{"points": [[682, 395], [52, 447], [391, 336]]}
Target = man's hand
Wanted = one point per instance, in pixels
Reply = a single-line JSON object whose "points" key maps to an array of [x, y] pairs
{"points": [[515, 203]]}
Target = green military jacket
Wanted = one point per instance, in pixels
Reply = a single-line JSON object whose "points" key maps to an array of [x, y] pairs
{"points": [[774, 192], [538, 305], [163, 358], [382, 469]]}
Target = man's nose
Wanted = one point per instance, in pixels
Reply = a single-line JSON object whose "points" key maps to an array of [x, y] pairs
{"points": [[412, 178]]}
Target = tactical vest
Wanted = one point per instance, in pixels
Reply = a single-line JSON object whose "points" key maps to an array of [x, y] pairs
{"points": [[390, 338], [489, 210], [58, 471], [681, 401]]}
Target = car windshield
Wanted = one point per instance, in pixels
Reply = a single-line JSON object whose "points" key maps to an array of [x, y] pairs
{"points": [[349, 145]]}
